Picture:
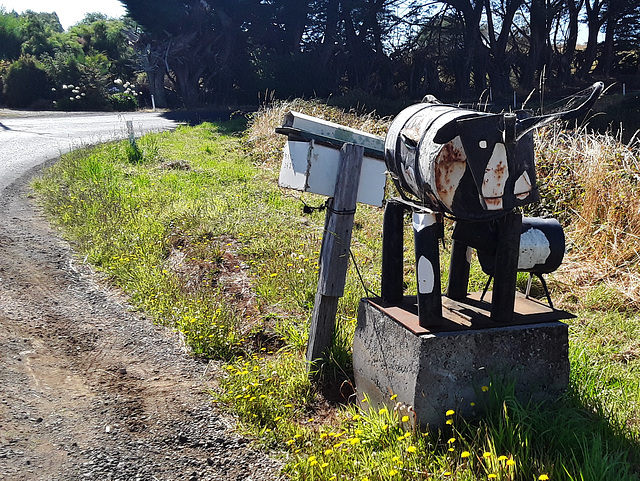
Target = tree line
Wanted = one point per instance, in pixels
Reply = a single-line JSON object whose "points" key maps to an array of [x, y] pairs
{"points": [[92, 66], [199, 52]]}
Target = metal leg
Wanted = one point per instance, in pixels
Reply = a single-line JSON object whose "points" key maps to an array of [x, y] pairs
{"points": [[506, 267], [426, 231], [392, 253]]}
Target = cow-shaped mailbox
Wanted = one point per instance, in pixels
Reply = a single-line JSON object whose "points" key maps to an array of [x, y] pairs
{"points": [[477, 168]]}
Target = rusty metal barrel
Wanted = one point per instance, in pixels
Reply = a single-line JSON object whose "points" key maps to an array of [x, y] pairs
{"points": [[466, 163], [473, 165]]}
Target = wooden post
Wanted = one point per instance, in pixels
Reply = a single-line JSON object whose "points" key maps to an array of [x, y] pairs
{"points": [[334, 256]]}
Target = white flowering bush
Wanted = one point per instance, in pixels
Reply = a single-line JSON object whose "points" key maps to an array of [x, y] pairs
{"points": [[123, 96]]}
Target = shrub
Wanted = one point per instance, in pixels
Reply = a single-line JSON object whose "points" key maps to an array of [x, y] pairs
{"points": [[123, 101], [25, 83]]}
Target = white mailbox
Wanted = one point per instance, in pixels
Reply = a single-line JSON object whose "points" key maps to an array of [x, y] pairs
{"points": [[312, 154]]}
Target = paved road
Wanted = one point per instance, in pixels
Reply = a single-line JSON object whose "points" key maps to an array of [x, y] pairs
{"points": [[28, 139]]}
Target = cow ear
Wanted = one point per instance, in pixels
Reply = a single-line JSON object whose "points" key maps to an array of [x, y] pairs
{"points": [[446, 133]]}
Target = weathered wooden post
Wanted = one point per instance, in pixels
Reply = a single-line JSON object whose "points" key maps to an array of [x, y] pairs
{"points": [[347, 165], [334, 258]]}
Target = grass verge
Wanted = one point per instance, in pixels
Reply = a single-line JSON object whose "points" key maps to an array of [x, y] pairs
{"points": [[196, 231]]}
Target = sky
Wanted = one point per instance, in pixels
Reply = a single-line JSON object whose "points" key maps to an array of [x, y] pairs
{"points": [[69, 12]]}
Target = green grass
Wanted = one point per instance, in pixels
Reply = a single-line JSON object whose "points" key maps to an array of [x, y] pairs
{"points": [[198, 234]]}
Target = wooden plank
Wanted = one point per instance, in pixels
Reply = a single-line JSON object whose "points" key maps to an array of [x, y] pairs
{"points": [[333, 133], [334, 257]]}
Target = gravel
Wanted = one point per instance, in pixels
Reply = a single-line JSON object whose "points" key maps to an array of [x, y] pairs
{"points": [[92, 390]]}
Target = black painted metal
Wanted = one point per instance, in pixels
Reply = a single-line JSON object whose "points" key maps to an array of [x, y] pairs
{"points": [[459, 268], [392, 282], [506, 263], [427, 231]]}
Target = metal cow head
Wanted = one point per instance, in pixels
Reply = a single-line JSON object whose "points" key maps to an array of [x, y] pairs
{"points": [[501, 165]]}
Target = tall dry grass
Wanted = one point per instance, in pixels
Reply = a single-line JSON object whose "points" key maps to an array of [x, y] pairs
{"points": [[266, 146], [591, 183]]}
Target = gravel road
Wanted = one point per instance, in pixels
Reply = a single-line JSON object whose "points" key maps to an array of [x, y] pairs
{"points": [[90, 389]]}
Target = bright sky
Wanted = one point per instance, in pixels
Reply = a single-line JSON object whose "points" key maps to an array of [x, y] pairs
{"points": [[69, 12]]}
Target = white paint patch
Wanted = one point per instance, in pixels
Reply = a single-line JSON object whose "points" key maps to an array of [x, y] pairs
{"points": [[426, 279], [534, 249], [423, 220], [495, 177], [522, 187]]}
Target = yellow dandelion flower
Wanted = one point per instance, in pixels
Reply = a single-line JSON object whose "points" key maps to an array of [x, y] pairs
{"points": [[395, 459], [383, 411], [492, 476], [502, 458], [365, 479], [451, 440], [394, 397], [355, 417], [485, 388], [511, 462], [324, 465], [543, 477], [486, 455], [328, 452], [323, 435], [450, 412], [393, 472], [465, 454], [354, 441], [449, 422], [412, 449], [405, 419], [447, 473]]}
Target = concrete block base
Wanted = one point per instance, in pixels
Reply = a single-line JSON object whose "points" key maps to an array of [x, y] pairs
{"points": [[437, 371]]}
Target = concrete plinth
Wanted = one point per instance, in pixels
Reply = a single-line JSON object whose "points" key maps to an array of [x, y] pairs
{"points": [[437, 371]]}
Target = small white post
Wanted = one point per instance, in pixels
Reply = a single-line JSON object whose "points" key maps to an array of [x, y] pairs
{"points": [[153, 102], [132, 136]]}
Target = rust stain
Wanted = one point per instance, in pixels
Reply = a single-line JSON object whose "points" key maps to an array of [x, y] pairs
{"points": [[450, 165], [494, 202]]}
